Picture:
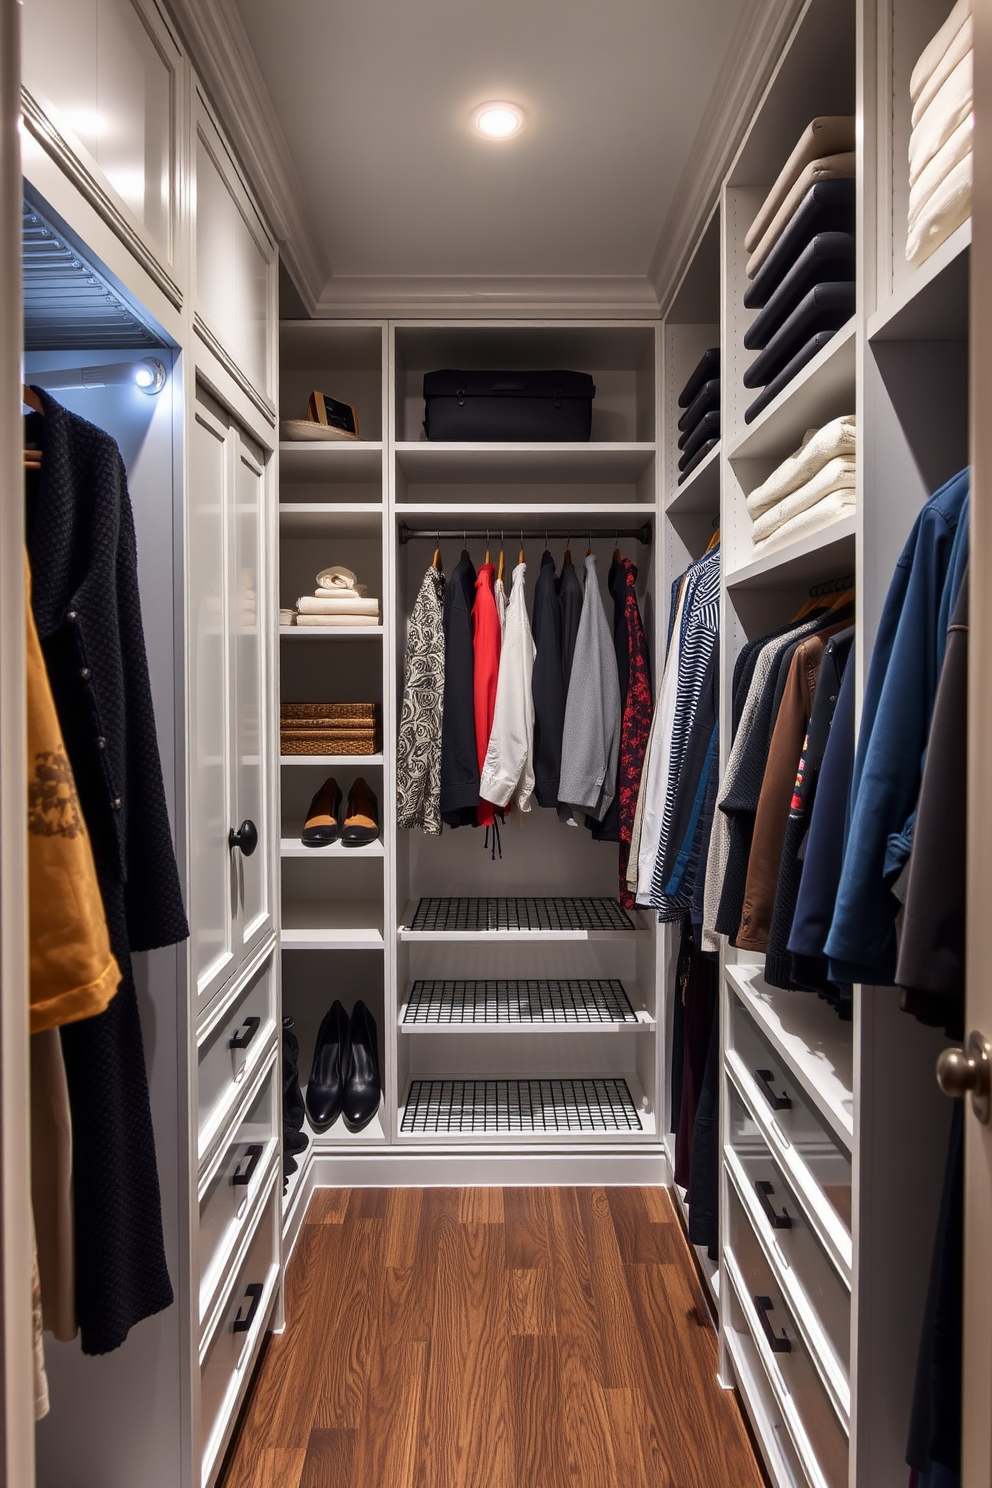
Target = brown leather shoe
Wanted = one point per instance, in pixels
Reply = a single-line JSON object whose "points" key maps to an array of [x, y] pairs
{"points": [[361, 819], [323, 824]]}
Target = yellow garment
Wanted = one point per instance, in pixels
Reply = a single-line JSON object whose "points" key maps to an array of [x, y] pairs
{"points": [[73, 973]]}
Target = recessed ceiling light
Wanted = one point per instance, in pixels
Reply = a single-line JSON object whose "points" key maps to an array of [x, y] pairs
{"points": [[499, 120]]}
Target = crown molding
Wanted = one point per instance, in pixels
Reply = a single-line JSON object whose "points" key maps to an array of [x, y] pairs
{"points": [[217, 42], [399, 297], [752, 55]]}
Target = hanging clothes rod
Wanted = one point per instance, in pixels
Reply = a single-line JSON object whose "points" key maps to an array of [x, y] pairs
{"points": [[578, 529]]}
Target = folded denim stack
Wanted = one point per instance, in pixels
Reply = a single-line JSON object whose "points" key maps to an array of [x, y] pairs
{"points": [[337, 600], [801, 264], [809, 490], [699, 426], [940, 144], [328, 728]]}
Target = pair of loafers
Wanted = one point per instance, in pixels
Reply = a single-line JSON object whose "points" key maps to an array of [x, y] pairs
{"points": [[344, 1079], [361, 819]]}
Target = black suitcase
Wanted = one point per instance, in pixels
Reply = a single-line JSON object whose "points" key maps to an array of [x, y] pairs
{"points": [[497, 406]]}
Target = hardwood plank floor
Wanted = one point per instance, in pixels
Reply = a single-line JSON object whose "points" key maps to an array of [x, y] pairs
{"points": [[491, 1338]]}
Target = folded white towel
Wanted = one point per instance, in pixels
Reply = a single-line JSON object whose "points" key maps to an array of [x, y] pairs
{"points": [[826, 136], [947, 157], [936, 48], [286, 617], [321, 606], [338, 578], [830, 509], [839, 437], [960, 46], [337, 620], [829, 168], [942, 213], [836, 475], [950, 107]]}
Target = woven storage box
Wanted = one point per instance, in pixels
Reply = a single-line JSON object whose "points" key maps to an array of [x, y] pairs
{"points": [[317, 741], [328, 712], [339, 726]]}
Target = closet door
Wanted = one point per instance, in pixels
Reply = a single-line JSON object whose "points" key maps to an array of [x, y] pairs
{"points": [[213, 902], [253, 696]]}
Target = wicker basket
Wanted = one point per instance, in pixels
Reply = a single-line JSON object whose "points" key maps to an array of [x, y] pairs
{"points": [[321, 741], [328, 713]]}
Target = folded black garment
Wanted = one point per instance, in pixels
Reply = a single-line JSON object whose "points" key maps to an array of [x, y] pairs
{"points": [[698, 458], [705, 400], [773, 388], [829, 258], [828, 206], [825, 308], [708, 428], [708, 366]]}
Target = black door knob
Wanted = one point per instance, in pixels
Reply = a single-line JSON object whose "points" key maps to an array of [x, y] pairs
{"points": [[246, 837]]}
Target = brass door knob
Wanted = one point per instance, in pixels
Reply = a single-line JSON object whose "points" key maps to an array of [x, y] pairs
{"points": [[967, 1071]]}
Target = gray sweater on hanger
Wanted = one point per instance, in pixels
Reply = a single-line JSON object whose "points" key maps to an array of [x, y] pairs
{"points": [[591, 739]]}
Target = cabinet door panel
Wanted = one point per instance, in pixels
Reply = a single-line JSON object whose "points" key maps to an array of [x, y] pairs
{"points": [[212, 902], [252, 696]]}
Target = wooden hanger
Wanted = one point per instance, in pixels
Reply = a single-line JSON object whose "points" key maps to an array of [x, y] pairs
{"points": [[30, 399], [521, 558], [437, 561], [568, 552], [713, 541], [487, 547], [617, 555]]}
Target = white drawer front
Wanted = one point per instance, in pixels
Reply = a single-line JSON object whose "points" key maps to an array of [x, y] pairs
{"points": [[229, 1194], [232, 1050], [780, 1342], [225, 1364]]}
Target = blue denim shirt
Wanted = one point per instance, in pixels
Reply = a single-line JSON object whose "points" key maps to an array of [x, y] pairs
{"points": [[895, 725]]}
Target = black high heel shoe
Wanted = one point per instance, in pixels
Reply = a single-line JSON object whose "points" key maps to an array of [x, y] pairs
{"points": [[331, 1063], [363, 1088], [323, 823], [361, 817]]}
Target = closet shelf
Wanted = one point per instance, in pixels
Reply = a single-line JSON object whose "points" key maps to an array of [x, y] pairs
{"points": [[332, 761], [570, 1106], [932, 304], [525, 918], [292, 847], [533, 518], [701, 492], [823, 390], [321, 463], [330, 632], [331, 925], [330, 519], [826, 554], [817, 1047], [601, 1006], [504, 463]]}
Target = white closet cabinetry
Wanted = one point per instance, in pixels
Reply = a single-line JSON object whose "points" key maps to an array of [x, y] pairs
{"points": [[232, 892]]}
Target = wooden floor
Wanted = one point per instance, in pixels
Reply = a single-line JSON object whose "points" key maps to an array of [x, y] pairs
{"points": [[492, 1338]]}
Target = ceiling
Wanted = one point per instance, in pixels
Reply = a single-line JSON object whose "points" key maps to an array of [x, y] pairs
{"points": [[374, 99]]}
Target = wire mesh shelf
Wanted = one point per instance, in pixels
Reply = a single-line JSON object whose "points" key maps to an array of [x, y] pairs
{"points": [[509, 1002], [528, 913], [578, 1105]]}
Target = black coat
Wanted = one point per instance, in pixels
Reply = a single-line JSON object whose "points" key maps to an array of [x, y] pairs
{"points": [[87, 608], [547, 685], [570, 594], [459, 751]]}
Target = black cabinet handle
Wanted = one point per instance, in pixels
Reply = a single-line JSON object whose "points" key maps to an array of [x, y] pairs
{"points": [[246, 837], [241, 1324], [764, 1191], [245, 1170], [777, 1344], [777, 1102], [243, 1039]]}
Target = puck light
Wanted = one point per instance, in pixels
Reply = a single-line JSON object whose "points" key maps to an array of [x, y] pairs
{"points": [[498, 121]]}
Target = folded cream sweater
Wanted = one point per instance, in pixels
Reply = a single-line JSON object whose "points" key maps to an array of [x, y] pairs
{"points": [[950, 154], [950, 107], [943, 212], [337, 620], [838, 438], [332, 605], [837, 475], [830, 509], [936, 48], [826, 136], [960, 45]]}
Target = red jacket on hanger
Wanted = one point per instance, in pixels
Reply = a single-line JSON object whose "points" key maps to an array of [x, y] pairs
{"points": [[486, 649]]}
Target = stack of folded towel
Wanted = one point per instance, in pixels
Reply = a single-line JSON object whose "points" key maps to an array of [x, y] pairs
{"points": [[940, 144], [327, 728], [801, 263], [809, 490], [338, 600], [699, 426]]}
